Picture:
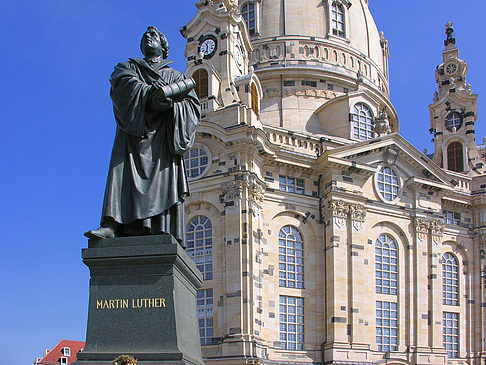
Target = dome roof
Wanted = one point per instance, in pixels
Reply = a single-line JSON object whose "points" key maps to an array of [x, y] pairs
{"points": [[309, 32]]}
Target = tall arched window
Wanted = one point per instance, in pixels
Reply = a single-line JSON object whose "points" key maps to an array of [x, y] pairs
{"points": [[291, 258], [362, 118], [386, 257], [248, 13], [450, 279], [254, 100], [455, 161], [337, 19], [202, 83], [199, 241]]}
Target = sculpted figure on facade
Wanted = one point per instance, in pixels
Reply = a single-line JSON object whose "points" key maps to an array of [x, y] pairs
{"points": [[156, 112]]}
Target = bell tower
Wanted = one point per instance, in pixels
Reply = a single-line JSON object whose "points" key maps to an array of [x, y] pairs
{"points": [[217, 52], [453, 113]]}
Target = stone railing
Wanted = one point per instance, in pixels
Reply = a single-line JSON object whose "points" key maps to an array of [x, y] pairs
{"points": [[463, 182], [296, 142], [316, 52]]}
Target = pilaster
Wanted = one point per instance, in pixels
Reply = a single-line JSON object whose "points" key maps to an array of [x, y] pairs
{"points": [[359, 279], [336, 215], [436, 227], [242, 199]]}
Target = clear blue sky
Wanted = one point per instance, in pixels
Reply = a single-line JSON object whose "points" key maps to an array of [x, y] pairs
{"points": [[58, 128]]}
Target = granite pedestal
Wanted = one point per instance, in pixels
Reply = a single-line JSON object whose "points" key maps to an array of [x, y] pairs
{"points": [[142, 302]]}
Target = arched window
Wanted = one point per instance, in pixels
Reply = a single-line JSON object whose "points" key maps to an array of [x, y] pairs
{"points": [[362, 118], [337, 19], [202, 83], [248, 13], [386, 257], [455, 160], [254, 100], [450, 279], [291, 258], [453, 121], [199, 241]]}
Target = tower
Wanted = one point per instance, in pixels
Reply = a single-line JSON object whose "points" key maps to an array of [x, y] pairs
{"points": [[453, 114]]}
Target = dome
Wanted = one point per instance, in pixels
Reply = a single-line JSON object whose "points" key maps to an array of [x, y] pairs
{"points": [[340, 32], [331, 45]]}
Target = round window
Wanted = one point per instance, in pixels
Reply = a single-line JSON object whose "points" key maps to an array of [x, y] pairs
{"points": [[387, 184], [197, 161]]}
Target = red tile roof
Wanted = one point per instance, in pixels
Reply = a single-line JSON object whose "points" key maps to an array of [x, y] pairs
{"points": [[57, 352]]}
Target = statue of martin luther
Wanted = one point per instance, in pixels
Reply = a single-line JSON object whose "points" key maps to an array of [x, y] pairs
{"points": [[157, 112]]}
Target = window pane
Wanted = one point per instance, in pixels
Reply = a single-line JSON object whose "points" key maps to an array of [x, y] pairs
{"points": [[386, 329], [291, 326], [290, 259]]}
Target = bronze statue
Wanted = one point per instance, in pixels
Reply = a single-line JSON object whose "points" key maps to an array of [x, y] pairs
{"points": [[157, 112]]}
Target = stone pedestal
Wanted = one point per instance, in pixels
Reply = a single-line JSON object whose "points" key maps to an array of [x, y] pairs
{"points": [[142, 302]]}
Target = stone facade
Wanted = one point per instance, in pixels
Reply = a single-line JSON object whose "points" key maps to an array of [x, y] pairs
{"points": [[320, 220]]}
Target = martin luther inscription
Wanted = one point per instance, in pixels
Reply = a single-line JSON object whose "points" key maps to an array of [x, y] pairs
{"points": [[130, 303]]}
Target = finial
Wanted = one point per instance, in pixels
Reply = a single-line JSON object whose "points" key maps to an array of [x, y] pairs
{"points": [[449, 31]]}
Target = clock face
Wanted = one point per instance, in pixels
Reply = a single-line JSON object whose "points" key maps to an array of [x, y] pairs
{"points": [[451, 68], [238, 55], [208, 47]]}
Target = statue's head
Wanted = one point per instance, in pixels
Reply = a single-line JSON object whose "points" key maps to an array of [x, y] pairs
{"points": [[153, 42]]}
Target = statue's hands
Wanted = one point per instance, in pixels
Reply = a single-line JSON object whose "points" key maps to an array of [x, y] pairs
{"points": [[158, 84], [158, 101], [161, 105]]}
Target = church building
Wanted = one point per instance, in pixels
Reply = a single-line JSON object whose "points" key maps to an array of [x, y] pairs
{"points": [[325, 237]]}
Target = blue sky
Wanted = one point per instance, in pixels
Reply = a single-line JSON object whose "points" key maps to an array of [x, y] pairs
{"points": [[58, 126]]}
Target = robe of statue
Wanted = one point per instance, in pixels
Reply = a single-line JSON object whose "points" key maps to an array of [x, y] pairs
{"points": [[147, 182]]}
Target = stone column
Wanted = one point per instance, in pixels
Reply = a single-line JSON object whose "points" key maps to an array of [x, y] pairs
{"points": [[242, 199], [435, 282], [359, 274], [252, 274], [419, 306], [337, 303], [232, 280], [480, 319]]}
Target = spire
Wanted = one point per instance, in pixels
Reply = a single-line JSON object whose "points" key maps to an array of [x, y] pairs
{"points": [[449, 31]]}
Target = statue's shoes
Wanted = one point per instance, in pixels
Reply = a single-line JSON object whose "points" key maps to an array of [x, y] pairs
{"points": [[101, 233]]}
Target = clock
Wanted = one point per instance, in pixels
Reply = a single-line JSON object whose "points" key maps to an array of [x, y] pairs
{"points": [[238, 55], [451, 68], [208, 46]]}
